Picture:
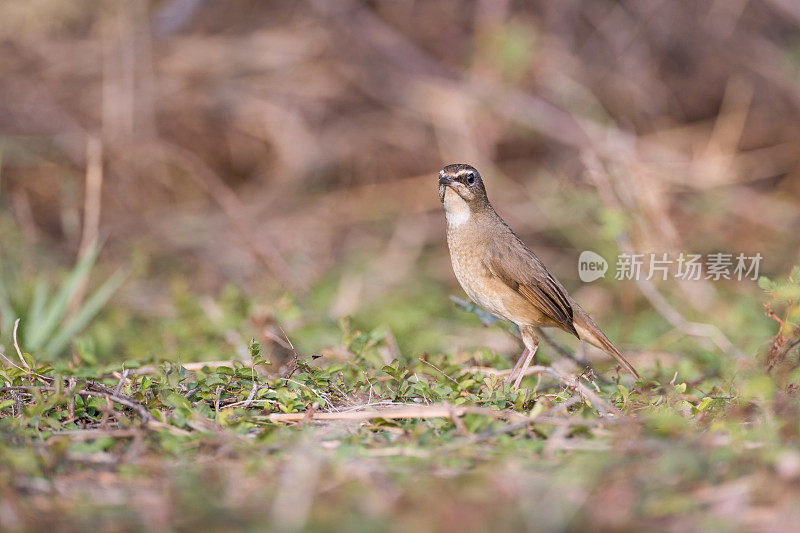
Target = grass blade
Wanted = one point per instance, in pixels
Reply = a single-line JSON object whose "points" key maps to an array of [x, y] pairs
{"points": [[88, 311], [6, 311], [37, 307], [58, 306]]}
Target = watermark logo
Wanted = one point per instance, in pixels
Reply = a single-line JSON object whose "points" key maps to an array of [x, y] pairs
{"points": [[591, 266], [688, 267]]}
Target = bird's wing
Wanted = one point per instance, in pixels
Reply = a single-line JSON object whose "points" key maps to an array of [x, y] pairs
{"points": [[512, 262]]}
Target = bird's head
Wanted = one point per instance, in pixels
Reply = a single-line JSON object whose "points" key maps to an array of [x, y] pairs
{"points": [[461, 191]]}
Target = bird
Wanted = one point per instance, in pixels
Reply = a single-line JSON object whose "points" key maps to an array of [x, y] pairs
{"points": [[503, 276]]}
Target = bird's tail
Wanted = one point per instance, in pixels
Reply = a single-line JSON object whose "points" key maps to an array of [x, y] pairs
{"points": [[589, 332]]}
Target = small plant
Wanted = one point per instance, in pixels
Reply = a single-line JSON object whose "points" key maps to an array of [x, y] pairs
{"points": [[784, 307], [49, 323]]}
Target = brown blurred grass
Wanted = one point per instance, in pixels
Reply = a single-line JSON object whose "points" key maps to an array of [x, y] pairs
{"points": [[320, 125]]}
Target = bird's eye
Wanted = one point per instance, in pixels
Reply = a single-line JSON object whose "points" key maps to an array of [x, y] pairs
{"points": [[470, 178]]}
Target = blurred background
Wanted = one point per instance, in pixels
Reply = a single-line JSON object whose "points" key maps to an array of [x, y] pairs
{"points": [[265, 169]]}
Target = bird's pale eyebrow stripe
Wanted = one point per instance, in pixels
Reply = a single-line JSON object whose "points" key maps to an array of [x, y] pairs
{"points": [[464, 171]]}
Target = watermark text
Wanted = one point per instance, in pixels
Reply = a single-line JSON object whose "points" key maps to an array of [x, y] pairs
{"points": [[662, 266]]}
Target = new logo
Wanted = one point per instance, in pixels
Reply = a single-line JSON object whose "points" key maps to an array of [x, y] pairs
{"points": [[591, 266]]}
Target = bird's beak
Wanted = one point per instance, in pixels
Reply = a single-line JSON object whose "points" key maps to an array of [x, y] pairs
{"points": [[444, 182]]}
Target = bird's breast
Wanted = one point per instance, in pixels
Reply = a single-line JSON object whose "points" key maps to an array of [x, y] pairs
{"points": [[482, 287], [470, 272]]}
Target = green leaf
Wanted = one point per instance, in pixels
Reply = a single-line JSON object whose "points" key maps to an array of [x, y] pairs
{"points": [[177, 401], [259, 360], [705, 403], [254, 348], [623, 392], [215, 380], [28, 359]]}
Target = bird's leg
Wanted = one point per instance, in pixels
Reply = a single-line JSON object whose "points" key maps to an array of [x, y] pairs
{"points": [[531, 344], [510, 376]]}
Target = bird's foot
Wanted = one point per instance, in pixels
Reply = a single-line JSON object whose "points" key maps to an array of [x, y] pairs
{"points": [[514, 371]]}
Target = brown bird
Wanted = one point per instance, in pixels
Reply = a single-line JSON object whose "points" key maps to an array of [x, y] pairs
{"points": [[503, 276]]}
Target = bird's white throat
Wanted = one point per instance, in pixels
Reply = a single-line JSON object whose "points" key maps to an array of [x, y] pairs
{"points": [[455, 208]]}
